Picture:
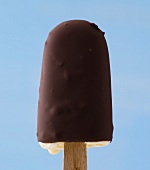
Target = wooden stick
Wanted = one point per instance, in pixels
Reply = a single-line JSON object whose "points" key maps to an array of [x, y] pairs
{"points": [[75, 157]]}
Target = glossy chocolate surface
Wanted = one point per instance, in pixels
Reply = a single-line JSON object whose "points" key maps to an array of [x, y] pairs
{"points": [[75, 89]]}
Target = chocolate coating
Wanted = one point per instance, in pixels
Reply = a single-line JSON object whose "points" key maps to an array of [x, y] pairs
{"points": [[75, 90]]}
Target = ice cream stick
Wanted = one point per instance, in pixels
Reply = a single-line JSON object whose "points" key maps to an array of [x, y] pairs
{"points": [[75, 157]]}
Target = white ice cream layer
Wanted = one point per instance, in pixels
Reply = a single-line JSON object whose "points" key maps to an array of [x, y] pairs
{"points": [[54, 148]]}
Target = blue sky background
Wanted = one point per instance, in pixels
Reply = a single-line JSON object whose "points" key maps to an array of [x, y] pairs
{"points": [[24, 26]]}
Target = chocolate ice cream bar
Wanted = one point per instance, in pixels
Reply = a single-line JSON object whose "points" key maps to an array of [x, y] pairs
{"points": [[75, 103]]}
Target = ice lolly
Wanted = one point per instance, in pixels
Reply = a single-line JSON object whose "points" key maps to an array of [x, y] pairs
{"points": [[75, 103]]}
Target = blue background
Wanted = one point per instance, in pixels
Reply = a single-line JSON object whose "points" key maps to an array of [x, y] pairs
{"points": [[24, 26]]}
